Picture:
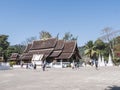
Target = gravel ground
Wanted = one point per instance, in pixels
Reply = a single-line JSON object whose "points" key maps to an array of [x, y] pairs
{"points": [[84, 78]]}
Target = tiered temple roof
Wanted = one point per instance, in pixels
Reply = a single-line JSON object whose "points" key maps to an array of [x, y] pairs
{"points": [[14, 57], [52, 48]]}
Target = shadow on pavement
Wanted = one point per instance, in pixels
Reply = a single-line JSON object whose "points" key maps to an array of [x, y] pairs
{"points": [[114, 87]]}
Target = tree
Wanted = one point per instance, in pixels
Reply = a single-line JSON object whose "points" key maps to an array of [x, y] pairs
{"points": [[3, 42], [117, 40], [15, 49], [109, 37], [117, 50], [10, 50], [102, 48], [90, 49], [99, 46], [29, 40], [45, 35], [19, 48], [81, 50], [69, 36], [3, 45]]}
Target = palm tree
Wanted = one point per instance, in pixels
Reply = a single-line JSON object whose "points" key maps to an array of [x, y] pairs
{"points": [[90, 49]]}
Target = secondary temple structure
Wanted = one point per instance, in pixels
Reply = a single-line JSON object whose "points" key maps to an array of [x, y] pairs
{"points": [[51, 50]]}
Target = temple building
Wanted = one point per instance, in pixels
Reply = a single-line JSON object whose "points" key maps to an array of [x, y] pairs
{"points": [[15, 57], [51, 50]]}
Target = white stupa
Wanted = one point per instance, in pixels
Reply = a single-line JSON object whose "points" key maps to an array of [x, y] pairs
{"points": [[110, 63], [101, 61]]}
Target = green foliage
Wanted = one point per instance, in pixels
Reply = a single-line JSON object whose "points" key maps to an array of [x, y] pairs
{"points": [[3, 42], [98, 47], [90, 49], [99, 44], [117, 40], [14, 49], [116, 61], [81, 50], [45, 35], [103, 49], [69, 36], [3, 45], [19, 48], [12, 63], [6, 50]]}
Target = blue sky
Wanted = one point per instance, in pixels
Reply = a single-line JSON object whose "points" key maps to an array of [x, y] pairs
{"points": [[21, 19]]}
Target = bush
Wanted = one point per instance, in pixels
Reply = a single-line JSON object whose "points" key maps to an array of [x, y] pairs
{"points": [[116, 61], [12, 63]]}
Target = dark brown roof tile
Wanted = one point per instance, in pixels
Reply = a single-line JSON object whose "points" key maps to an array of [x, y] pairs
{"points": [[14, 55], [27, 48], [56, 53], [58, 49], [45, 52], [59, 45], [69, 47], [65, 56], [44, 44]]}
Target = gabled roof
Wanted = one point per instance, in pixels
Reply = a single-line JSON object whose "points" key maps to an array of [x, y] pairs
{"points": [[26, 56], [57, 49], [44, 44], [59, 45], [40, 47], [56, 53], [45, 52], [14, 56], [68, 50], [69, 46], [27, 48], [65, 56]]}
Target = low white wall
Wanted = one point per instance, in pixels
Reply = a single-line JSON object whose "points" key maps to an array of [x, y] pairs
{"points": [[4, 66]]}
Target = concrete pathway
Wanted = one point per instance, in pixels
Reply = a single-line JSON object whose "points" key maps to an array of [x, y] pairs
{"points": [[85, 78]]}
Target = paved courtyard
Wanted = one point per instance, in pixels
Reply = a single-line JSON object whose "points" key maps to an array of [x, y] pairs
{"points": [[84, 78]]}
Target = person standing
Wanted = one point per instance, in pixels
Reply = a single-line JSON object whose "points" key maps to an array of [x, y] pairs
{"points": [[96, 64], [44, 65], [35, 65], [27, 66], [96, 60]]}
